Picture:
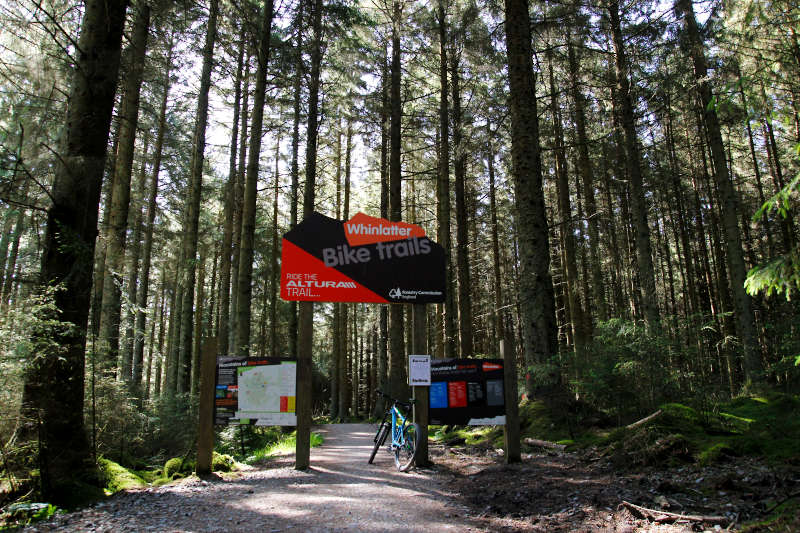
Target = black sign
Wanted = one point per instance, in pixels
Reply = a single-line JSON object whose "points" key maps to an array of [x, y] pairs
{"points": [[364, 259], [467, 392]]}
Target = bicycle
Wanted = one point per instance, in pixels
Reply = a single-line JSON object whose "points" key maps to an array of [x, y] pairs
{"points": [[404, 433]]}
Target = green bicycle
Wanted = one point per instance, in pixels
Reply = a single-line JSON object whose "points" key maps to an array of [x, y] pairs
{"points": [[405, 434]]}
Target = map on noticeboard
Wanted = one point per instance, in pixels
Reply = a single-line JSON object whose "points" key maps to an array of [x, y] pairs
{"points": [[256, 391]]}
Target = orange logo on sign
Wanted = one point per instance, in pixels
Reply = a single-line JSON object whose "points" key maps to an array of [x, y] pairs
{"points": [[363, 229]]}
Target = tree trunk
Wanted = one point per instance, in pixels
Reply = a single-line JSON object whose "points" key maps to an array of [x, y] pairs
{"points": [[238, 203], [147, 253], [587, 183], [53, 393], [195, 193], [223, 338], [295, 170], [566, 227], [305, 334], [397, 381], [121, 192], [499, 323], [462, 237], [273, 262], [745, 320], [443, 188], [132, 282], [245, 281], [537, 308], [644, 254]]}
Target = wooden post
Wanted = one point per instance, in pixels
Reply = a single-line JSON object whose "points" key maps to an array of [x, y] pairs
{"points": [[303, 401], [511, 433], [419, 325], [205, 425]]}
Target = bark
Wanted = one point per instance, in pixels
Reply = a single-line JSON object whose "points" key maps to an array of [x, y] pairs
{"points": [[306, 309], [273, 274], [245, 280], [745, 321], [237, 213], [644, 254], [295, 170], [121, 192], [397, 381], [443, 187], [147, 253], [198, 324], [9, 280], [383, 313], [344, 387], [230, 190], [195, 193], [587, 183], [53, 392], [566, 227], [499, 323], [537, 308], [132, 281], [462, 237]]}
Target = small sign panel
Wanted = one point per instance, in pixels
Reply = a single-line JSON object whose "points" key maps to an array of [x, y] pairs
{"points": [[255, 391], [467, 392], [419, 370]]}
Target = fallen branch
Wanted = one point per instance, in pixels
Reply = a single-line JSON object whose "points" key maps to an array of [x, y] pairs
{"points": [[545, 444], [644, 420], [644, 512]]}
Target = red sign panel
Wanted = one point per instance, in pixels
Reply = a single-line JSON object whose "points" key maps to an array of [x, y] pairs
{"points": [[364, 259]]}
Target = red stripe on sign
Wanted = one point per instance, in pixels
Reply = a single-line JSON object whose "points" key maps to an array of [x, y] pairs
{"points": [[284, 404], [304, 278]]}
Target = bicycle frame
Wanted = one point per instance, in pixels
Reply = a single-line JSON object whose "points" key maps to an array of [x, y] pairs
{"points": [[397, 427]]}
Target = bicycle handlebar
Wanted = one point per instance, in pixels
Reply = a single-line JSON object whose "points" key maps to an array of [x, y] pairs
{"points": [[408, 404]]}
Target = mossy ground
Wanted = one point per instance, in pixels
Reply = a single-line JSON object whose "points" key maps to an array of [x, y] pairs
{"points": [[757, 426], [766, 426]]}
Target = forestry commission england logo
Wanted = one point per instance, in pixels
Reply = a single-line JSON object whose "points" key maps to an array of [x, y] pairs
{"points": [[396, 293]]}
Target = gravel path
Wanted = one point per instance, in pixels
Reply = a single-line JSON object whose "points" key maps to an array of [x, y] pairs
{"points": [[341, 492]]}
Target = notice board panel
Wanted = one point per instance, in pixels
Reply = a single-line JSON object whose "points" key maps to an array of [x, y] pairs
{"points": [[467, 392], [257, 391]]}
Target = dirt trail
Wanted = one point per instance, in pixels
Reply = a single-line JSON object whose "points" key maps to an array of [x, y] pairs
{"points": [[341, 492]]}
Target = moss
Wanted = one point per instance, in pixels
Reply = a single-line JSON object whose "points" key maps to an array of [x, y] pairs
{"points": [[785, 517], [172, 466], [119, 478], [765, 426], [222, 463], [715, 453]]}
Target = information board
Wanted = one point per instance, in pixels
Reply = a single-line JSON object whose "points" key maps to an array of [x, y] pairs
{"points": [[256, 391], [467, 392], [364, 259]]}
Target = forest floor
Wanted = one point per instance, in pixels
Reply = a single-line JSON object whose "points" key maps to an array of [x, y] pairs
{"points": [[468, 488]]}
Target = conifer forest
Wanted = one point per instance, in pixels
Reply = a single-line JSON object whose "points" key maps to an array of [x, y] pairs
{"points": [[615, 186]]}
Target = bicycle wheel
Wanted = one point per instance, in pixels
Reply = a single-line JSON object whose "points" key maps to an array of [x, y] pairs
{"points": [[405, 455], [380, 438]]}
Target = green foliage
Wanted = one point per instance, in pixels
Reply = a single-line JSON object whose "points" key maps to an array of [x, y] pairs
{"points": [[21, 514], [254, 444], [780, 275], [626, 371]]}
